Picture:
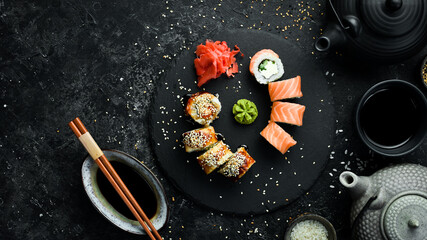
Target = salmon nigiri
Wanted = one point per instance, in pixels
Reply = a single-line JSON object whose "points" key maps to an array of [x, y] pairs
{"points": [[278, 137], [286, 112], [290, 88]]}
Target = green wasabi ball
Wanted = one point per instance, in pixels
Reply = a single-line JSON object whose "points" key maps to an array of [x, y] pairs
{"points": [[245, 111]]}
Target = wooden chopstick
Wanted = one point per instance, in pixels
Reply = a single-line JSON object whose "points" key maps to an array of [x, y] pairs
{"points": [[98, 156]]}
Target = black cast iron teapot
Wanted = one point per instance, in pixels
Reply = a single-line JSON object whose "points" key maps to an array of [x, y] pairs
{"points": [[388, 30]]}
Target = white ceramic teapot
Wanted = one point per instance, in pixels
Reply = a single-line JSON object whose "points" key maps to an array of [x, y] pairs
{"points": [[391, 204]]}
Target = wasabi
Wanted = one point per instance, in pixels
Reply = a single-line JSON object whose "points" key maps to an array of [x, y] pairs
{"points": [[245, 111]]}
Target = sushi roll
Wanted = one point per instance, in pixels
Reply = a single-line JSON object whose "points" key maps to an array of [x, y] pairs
{"points": [[266, 66], [199, 139], [278, 137], [238, 164], [285, 89], [203, 108], [214, 157], [286, 112]]}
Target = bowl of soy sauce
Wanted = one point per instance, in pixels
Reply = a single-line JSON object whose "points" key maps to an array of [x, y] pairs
{"points": [[391, 118], [141, 182]]}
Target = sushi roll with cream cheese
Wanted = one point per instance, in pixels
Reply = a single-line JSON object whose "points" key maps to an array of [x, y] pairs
{"points": [[266, 66], [238, 164], [214, 157], [199, 139], [203, 107]]}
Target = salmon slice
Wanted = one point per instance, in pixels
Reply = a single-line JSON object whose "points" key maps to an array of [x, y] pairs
{"points": [[286, 112], [290, 88], [278, 137], [252, 67]]}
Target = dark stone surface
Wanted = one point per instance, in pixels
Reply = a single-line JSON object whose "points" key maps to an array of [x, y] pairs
{"points": [[101, 61], [276, 179]]}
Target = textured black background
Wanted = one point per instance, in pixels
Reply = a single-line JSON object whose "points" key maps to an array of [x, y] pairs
{"points": [[101, 60]]}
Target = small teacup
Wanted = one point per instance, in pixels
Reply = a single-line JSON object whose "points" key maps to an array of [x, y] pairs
{"points": [[423, 72], [391, 117], [90, 182], [332, 235]]}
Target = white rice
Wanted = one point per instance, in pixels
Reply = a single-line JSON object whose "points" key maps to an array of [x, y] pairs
{"points": [[259, 76], [309, 230]]}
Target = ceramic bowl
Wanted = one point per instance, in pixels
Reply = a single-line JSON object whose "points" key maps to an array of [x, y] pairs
{"points": [[423, 64], [421, 131], [89, 172], [329, 227]]}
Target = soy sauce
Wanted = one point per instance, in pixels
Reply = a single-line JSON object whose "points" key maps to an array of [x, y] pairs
{"points": [[139, 188], [390, 117], [186, 97], [243, 146], [220, 137]]}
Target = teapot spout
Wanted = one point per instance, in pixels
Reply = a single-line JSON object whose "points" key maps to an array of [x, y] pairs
{"points": [[333, 36], [358, 186]]}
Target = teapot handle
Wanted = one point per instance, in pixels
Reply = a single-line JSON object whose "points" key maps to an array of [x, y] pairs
{"points": [[337, 16], [353, 24], [359, 215]]}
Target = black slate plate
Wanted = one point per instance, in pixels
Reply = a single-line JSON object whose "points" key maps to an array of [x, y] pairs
{"points": [[275, 179]]}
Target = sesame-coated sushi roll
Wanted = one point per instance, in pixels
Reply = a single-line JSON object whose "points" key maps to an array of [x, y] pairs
{"points": [[214, 157], [238, 164], [199, 139], [203, 107], [266, 66]]}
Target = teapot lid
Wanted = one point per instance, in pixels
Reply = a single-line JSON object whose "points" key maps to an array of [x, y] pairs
{"points": [[386, 29], [405, 217], [394, 18]]}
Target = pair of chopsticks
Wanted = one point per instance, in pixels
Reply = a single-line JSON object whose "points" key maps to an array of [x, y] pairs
{"points": [[98, 156]]}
